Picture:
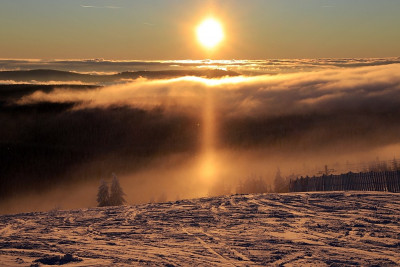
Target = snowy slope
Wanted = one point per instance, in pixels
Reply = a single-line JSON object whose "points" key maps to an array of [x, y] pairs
{"points": [[302, 229]]}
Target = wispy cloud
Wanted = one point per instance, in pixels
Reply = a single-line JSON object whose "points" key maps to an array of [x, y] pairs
{"points": [[111, 7], [43, 83]]}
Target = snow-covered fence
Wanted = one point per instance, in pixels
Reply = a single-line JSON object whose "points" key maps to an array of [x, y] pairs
{"points": [[362, 181]]}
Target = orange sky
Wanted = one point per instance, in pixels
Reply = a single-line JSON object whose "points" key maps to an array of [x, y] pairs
{"points": [[165, 29]]}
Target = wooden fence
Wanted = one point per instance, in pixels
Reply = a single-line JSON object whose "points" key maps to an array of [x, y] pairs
{"points": [[362, 181]]}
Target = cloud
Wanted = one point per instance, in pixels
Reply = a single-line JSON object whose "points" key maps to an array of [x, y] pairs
{"points": [[323, 91], [348, 106], [44, 83], [111, 7]]}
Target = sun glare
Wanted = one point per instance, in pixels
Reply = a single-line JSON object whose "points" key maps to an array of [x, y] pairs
{"points": [[210, 33]]}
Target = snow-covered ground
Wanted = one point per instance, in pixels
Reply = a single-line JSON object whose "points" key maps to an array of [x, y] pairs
{"points": [[295, 229]]}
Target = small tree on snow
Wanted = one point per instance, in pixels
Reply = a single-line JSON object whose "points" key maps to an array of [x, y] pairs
{"points": [[116, 193], [102, 195], [280, 183]]}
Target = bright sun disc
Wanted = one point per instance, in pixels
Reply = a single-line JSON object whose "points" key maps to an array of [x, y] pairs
{"points": [[210, 33]]}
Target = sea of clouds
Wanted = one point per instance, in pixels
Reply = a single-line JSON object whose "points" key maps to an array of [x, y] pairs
{"points": [[152, 132]]}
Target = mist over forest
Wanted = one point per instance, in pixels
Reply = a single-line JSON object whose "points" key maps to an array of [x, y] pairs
{"points": [[189, 135]]}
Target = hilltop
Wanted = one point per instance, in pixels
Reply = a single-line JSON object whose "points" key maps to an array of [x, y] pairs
{"points": [[45, 75], [295, 229]]}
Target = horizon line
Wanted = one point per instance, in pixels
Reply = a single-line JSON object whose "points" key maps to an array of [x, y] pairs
{"points": [[94, 60]]}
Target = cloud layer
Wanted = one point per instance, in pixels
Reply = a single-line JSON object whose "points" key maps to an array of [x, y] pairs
{"points": [[247, 67], [153, 132], [366, 88], [329, 106]]}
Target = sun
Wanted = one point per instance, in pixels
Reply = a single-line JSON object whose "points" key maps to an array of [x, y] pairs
{"points": [[210, 33]]}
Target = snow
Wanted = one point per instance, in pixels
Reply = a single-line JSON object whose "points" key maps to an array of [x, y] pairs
{"points": [[294, 229]]}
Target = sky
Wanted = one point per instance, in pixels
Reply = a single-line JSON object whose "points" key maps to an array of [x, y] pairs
{"points": [[165, 29]]}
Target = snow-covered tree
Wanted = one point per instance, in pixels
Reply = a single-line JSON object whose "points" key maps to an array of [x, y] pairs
{"points": [[395, 165], [280, 183], [116, 193], [252, 185], [102, 195]]}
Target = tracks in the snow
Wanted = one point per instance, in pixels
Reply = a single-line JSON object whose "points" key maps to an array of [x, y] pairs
{"points": [[242, 230], [239, 258]]}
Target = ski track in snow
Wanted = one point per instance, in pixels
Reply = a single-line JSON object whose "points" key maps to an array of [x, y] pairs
{"points": [[295, 229]]}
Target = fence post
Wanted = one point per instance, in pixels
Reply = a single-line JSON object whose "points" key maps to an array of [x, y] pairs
{"points": [[355, 185], [389, 181], [374, 181], [346, 181], [383, 181], [366, 182]]}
